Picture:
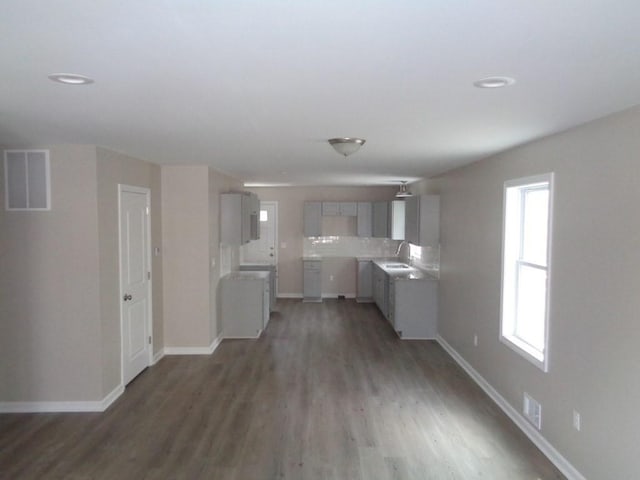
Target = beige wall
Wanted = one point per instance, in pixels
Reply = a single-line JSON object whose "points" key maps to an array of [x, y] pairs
{"points": [[112, 169], [290, 230], [50, 335], [594, 354], [190, 225], [185, 233]]}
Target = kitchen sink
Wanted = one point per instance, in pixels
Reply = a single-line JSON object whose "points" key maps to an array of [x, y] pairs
{"points": [[396, 265]]}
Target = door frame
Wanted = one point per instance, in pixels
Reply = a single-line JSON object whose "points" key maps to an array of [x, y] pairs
{"points": [[276, 247], [147, 193]]}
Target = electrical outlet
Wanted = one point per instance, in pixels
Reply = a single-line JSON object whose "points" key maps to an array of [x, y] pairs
{"points": [[577, 420], [331, 278], [475, 340]]}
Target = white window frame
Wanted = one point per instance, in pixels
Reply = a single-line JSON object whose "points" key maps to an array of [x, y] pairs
{"points": [[509, 290]]}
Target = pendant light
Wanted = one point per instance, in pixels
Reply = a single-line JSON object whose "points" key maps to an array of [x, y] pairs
{"points": [[403, 192]]}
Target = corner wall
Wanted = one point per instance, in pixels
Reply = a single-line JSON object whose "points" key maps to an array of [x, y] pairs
{"points": [[594, 328]]}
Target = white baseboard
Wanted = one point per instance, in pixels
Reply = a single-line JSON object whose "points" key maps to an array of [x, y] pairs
{"points": [[534, 435], [54, 407], [157, 356], [289, 295], [194, 350]]}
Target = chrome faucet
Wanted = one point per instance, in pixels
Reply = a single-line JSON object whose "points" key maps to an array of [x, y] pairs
{"points": [[402, 243]]}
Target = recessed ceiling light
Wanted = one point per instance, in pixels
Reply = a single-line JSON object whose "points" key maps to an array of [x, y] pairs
{"points": [[70, 78], [494, 82]]}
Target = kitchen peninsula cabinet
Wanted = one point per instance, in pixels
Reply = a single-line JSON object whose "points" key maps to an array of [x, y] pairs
{"points": [[245, 299]]}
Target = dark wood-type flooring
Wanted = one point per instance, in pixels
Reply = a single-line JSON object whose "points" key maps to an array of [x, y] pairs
{"points": [[327, 392]]}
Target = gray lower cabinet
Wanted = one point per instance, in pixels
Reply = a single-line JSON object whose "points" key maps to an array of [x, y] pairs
{"points": [[312, 219], [244, 298], [271, 269], [365, 281], [413, 308], [312, 281]]}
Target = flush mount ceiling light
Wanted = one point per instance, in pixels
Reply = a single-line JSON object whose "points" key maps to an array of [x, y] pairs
{"points": [[403, 192], [346, 145], [70, 78], [494, 82]]}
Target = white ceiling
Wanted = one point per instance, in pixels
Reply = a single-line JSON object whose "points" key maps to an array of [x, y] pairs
{"points": [[255, 88]]}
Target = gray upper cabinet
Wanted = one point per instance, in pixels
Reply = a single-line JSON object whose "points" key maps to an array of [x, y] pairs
{"points": [[330, 208], [381, 219], [422, 220], [344, 209], [239, 218], [348, 209], [312, 219], [364, 219]]}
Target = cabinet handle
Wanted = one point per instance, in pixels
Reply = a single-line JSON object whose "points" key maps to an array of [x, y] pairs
{"points": [[127, 297]]}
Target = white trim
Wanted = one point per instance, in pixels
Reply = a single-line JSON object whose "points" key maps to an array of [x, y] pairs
{"points": [[147, 193], [71, 406], [276, 245], [509, 340], [158, 356], [289, 295], [529, 430], [194, 350]]}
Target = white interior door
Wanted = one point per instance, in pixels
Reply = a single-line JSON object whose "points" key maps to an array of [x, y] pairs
{"points": [[264, 251], [135, 281]]}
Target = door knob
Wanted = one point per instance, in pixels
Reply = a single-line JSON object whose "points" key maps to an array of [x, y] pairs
{"points": [[271, 254], [127, 297]]}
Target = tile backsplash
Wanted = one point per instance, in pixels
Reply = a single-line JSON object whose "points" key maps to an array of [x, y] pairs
{"points": [[345, 246], [423, 257]]}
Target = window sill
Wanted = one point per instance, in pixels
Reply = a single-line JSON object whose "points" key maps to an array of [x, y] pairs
{"points": [[526, 351]]}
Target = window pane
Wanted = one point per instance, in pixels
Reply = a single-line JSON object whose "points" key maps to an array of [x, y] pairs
{"points": [[264, 216], [531, 305], [536, 208]]}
